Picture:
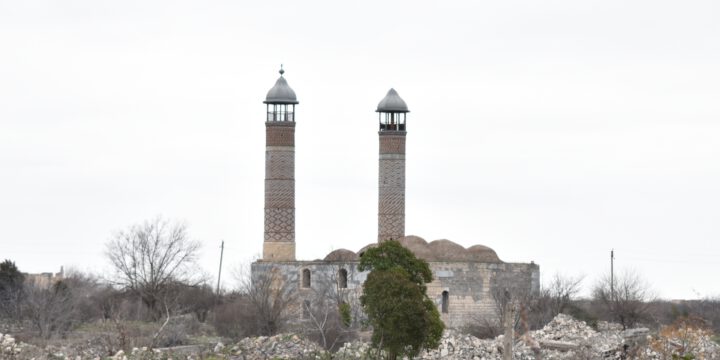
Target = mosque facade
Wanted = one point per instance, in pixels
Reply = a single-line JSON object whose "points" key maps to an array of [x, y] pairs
{"points": [[466, 280]]}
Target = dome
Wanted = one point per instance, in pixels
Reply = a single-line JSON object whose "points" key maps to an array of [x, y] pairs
{"points": [[341, 255], [417, 245], [483, 253], [444, 251], [392, 102], [281, 93]]}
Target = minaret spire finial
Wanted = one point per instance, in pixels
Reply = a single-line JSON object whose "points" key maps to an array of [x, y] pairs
{"points": [[281, 70]]}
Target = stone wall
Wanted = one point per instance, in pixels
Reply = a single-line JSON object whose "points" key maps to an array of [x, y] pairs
{"points": [[470, 285]]}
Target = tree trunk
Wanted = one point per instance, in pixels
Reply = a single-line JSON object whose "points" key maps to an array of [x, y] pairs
{"points": [[508, 324]]}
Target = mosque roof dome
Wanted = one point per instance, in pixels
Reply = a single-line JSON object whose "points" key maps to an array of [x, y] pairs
{"points": [[435, 251], [281, 93], [392, 102], [341, 255]]}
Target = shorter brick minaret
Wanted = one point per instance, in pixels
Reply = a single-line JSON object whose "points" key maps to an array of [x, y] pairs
{"points": [[391, 185], [279, 243]]}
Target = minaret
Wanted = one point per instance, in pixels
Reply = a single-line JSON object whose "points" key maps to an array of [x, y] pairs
{"points": [[279, 242], [391, 186]]}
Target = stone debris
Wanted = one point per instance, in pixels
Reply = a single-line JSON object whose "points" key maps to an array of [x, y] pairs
{"points": [[564, 338], [282, 346], [9, 347]]}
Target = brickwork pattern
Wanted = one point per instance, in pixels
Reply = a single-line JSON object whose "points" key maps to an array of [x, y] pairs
{"points": [[280, 134], [391, 186], [279, 192], [279, 163], [392, 202], [392, 142], [390, 227], [280, 225]]}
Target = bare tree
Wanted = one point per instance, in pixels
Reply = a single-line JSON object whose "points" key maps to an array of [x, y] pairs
{"points": [[50, 309], [198, 299], [54, 309], [560, 292], [502, 284], [150, 257], [328, 310], [555, 297], [627, 300], [272, 298], [707, 308], [539, 307], [505, 284]]}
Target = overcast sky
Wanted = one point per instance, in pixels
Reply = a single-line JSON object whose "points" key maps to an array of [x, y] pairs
{"points": [[550, 131]]}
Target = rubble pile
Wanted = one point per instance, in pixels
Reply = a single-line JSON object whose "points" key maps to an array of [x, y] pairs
{"points": [[9, 348], [564, 338], [708, 348], [453, 345], [565, 334], [565, 328], [283, 346]]}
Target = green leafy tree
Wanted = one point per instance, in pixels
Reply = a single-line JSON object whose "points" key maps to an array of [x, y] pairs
{"points": [[395, 300]]}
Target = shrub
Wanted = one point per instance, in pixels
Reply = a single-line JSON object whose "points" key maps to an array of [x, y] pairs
{"points": [[236, 319]]}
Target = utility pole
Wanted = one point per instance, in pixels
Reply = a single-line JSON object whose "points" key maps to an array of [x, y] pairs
{"points": [[222, 249], [612, 275]]}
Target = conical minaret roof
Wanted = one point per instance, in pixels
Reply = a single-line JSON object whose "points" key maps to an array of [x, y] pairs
{"points": [[392, 102], [281, 93]]}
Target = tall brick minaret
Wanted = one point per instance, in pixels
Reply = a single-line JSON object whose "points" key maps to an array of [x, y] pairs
{"points": [[279, 244], [391, 185]]}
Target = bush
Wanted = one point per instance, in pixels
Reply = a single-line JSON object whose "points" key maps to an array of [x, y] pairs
{"points": [[236, 318], [483, 329], [198, 300], [56, 309], [177, 330], [708, 309], [11, 290], [683, 339]]}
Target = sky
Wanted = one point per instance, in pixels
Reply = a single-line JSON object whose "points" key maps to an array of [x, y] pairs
{"points": [[550, 131]]}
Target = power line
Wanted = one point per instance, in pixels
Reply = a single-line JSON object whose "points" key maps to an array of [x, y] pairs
{"points": [[674, 261]]}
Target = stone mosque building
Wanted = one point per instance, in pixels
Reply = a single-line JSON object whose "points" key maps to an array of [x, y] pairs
{"points": [[465, 279]]}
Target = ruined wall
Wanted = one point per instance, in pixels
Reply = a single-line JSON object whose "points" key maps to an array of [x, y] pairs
{"points": [[470, 285]]}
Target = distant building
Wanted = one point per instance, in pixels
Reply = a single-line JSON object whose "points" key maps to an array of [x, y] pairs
{"points": [[46, 279], [465, 280]]}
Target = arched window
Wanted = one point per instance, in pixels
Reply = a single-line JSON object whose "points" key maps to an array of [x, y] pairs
{"points": [[445, 301], [306, 278], [342, 278]]}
